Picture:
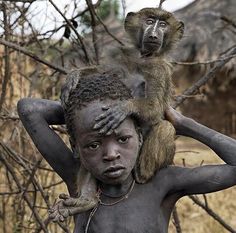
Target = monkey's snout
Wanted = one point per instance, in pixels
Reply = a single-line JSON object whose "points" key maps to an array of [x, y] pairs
{"points": [[153, 38]]}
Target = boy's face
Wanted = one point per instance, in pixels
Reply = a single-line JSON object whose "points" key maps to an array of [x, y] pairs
{"points": [[109, 158]]}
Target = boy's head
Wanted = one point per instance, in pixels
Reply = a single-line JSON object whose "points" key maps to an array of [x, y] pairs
{"points": [[109, 158]]}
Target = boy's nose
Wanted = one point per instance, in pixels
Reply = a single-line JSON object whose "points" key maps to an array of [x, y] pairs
{"points": [[111, 153]]}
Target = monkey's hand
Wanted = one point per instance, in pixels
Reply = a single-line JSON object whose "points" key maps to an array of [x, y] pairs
{"points": [[112, 117], [68, 206]]}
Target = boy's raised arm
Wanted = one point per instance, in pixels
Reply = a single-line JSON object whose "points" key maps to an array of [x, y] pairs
{"points": [[36, 116], [208, 178]]}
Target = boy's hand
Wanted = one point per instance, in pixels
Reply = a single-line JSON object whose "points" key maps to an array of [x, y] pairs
{"points": [[175, 118]]}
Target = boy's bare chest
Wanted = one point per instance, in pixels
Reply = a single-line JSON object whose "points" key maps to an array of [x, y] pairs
{"points": [[134, 215]]}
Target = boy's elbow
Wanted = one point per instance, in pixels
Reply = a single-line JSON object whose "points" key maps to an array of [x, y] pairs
{"points": [[24, 107]]}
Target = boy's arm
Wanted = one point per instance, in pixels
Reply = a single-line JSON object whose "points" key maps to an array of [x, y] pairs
{"points": [[206, 178], [36, 116]]}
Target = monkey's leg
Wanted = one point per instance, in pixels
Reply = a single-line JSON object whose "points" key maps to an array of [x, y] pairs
{"points": [[157, 151], [86, 189], [87, 198]]}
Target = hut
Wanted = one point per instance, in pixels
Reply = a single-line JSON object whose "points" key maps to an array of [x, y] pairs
{"points": [[210, 31]]}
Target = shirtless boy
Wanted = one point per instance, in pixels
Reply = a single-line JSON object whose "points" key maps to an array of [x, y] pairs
{"points": [[125, 206]]}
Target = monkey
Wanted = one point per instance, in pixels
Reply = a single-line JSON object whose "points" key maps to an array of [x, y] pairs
{"points": [[153, 33]]}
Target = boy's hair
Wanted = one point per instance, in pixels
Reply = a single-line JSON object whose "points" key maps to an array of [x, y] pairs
{"points": [[89, 84]]}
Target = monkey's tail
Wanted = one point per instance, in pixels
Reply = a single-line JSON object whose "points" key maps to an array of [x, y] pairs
{"points": [[158, 151]]}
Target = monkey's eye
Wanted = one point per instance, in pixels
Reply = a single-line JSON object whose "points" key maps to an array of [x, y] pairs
{"points": [[150, 21], [162, 23]]}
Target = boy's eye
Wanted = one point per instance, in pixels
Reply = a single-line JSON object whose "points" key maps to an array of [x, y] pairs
{"points": [[94, 146], [123, 139]]}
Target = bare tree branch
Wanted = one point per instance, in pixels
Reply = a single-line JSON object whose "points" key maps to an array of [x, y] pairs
{"points": [[123, 3], [107, 30], [176, 220], [160, 4], [35, 57], [93, 25], [7, 73], [203, 62], [203, 80], [24, 1], [25, 196], [75, 31], [212, 214]]}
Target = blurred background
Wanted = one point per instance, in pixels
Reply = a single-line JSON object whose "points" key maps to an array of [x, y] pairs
{"points": [[42, 40]]}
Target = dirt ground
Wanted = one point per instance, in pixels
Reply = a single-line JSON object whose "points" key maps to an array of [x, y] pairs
{"points": [[193, 218]]}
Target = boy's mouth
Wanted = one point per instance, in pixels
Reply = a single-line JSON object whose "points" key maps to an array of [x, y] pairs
{"points": [[114, 171]]}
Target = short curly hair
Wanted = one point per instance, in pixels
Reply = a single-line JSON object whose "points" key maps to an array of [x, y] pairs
{"points": [[89, 87]]}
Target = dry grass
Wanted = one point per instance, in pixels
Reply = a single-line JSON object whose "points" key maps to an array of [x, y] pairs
{"points": [[194, 219]]}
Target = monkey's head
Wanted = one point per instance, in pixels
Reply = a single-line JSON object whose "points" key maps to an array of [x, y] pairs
{"points": [[153, 31]]}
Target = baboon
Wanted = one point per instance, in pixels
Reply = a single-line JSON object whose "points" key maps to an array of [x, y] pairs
{"points": [[153, 32]]}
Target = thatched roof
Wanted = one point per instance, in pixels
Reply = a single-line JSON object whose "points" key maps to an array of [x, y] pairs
{"points": [[210, 30]]}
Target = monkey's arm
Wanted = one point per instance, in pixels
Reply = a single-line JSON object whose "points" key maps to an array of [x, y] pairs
{"points": [[36, 116], [147, 108], [144, 109], [208, 178]]}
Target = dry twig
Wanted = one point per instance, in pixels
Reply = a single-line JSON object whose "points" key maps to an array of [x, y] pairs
{"points": [[212, 213], [75, 31], [34, 56], [204, 79]]}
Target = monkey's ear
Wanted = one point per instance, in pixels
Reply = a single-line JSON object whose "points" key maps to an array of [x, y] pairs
{"points": [[129, 19], [130, 14]]}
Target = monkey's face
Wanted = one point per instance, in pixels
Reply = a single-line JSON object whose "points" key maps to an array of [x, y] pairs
{"points": [[110, 158], [154, 31]]}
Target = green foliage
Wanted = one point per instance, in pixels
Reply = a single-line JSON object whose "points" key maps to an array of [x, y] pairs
{"points": [[103, 11]]}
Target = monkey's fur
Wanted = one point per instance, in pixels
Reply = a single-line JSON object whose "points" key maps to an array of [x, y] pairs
{"points": [[153, 32], [147, 58]]}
